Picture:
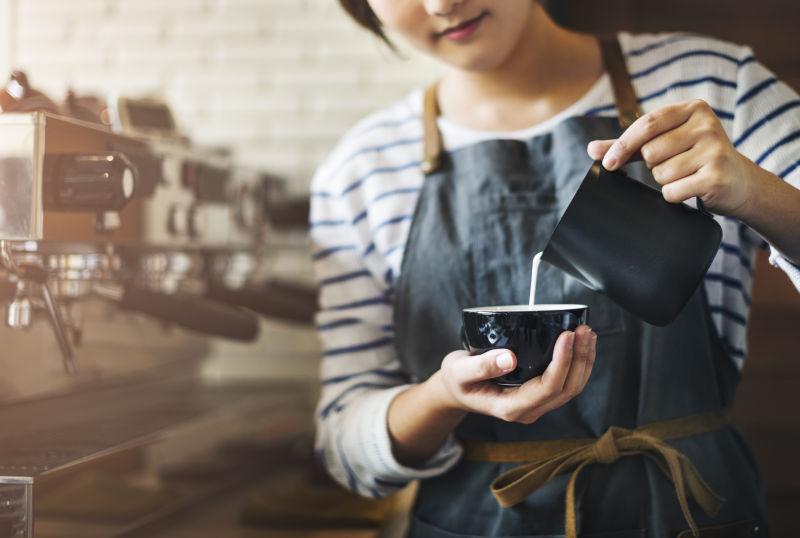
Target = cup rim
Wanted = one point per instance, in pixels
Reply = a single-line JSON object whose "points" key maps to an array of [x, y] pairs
{"points": [[501, 309]]}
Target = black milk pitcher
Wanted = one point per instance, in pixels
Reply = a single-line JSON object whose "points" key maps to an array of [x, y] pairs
{"points": [[620, 237]]}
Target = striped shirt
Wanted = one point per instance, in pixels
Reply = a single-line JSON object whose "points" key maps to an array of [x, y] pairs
{"points": [[363, 198]]}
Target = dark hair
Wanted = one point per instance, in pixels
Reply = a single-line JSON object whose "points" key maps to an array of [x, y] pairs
{"points": [[362, 13]]}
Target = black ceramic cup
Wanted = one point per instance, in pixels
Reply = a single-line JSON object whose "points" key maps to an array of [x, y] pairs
{"points": [[530, 332]]}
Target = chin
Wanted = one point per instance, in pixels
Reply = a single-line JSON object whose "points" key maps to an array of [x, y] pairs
{"points": [[472, 62], [480, 55]]}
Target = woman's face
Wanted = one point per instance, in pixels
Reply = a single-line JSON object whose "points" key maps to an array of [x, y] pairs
{"points": [[469, 34]]}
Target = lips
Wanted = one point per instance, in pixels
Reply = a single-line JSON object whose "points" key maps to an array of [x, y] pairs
{"points": [[463, 30]]}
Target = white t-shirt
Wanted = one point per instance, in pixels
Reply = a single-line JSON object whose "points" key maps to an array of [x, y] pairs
{"points": [[363, 198]]}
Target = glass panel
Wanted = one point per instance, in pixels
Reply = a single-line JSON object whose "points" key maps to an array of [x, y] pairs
{"points": [[16, 519], [21, 161]]}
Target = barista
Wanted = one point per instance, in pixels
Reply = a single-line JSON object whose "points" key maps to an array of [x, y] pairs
{"points": [[438, 202]]}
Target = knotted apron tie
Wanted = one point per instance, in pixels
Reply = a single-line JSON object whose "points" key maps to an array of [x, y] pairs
{"points": [[548, 459]]}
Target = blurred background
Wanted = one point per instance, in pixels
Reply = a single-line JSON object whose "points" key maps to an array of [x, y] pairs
{"points": [[161, 424], [278, 81]]}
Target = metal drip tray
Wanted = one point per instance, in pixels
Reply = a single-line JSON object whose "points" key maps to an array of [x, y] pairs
{"points": [[68, 429], [160, 424]]}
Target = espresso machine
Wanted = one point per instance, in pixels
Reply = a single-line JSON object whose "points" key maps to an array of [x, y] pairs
{"points": [[125, 253]]}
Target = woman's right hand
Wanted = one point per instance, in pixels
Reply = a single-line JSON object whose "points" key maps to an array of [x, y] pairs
{"points": [[421, 417], [463, 381]]}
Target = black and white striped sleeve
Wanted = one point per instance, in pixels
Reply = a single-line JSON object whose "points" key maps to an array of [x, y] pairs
{"points": [[360, 372], [766, 128]]}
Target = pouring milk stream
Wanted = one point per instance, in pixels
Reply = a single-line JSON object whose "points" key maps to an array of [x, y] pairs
{"points": [[534, 272]]}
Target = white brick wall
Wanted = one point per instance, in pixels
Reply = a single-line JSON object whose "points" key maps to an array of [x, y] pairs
{"points": [[277, 80]]}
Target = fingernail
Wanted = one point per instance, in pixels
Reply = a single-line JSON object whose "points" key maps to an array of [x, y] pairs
{"points": [[610, 161], [594, 338], [505, 361]]}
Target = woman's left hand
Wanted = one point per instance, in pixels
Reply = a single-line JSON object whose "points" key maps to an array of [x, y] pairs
{"points": [[689, 154]]}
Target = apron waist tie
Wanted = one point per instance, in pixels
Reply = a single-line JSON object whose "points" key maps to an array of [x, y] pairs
{"points": [[546, 459]]}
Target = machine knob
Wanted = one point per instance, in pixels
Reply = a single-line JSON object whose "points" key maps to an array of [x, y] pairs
{"points": [[99, 182]]}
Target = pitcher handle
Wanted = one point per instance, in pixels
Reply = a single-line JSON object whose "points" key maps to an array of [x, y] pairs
{"points": [[702, 207]]}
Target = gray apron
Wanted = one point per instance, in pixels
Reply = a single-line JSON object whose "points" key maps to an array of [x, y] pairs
{"points": [[483, 212]]}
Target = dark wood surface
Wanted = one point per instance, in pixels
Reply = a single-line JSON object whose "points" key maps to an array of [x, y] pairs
{"points": [[767, 405], [770, 27]]}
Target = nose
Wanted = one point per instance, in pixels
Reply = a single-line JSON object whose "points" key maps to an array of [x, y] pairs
{"points": [[442, 8]]}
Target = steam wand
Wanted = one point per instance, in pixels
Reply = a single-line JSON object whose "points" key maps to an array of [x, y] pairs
{"points": [[29, 273]]}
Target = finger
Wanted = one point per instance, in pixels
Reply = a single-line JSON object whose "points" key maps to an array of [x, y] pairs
{"points": [[580, 357], [668, 145], [601, 147], [597, 148], [547, 386], [575, 378], [555, 375], [476, 368], [590, 362], [678, 167], [683, 189], [645, 129]]}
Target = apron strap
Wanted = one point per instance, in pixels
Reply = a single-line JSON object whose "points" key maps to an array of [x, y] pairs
{"points": [[544, 460], [624, 94], [614, 63], [432, 138]]}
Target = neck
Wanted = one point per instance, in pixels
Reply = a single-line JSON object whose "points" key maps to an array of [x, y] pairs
{"points": [[549, 65]]}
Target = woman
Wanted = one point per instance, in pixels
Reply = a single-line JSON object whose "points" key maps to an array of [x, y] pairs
{"points": [[438, 203]]}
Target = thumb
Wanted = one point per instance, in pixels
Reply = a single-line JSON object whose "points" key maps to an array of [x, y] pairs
{"points": [[485, 366], [597, 149]]}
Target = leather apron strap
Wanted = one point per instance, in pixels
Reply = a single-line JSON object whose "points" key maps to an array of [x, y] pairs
{"points": [[614, 62], [624, 94], [548, 459], [432, 138]]}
